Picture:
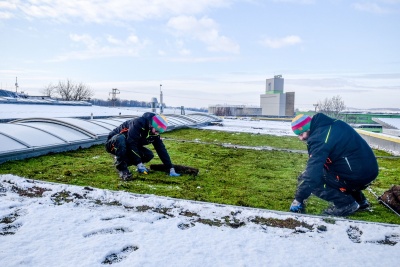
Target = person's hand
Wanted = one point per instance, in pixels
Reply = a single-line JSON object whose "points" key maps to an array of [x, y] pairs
{"points": [[297, 206], [142, 169], [173, 173]]}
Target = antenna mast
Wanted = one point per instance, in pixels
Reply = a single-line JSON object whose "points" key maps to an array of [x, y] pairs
{"points": [[16, 84], [113, 94], [161, 101]]}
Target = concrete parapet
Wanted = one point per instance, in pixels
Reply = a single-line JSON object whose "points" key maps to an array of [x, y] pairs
{"points": [[394, 132], [380, 141]]}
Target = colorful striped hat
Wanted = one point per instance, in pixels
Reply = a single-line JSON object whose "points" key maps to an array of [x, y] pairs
{"points": [[160, 123], [301, 123]]}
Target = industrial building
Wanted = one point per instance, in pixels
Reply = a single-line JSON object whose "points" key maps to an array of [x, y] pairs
{"points": [[234, 110], [273, 103]]}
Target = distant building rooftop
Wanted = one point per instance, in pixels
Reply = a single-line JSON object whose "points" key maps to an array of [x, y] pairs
{"points": [[8, 97]]}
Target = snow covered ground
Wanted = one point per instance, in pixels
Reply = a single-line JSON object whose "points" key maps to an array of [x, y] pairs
{"points": [[17, 111], [45, 224], [244, 125]]}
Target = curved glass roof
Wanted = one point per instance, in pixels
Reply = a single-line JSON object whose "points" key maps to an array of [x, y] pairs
{"points": [[31, 137]]}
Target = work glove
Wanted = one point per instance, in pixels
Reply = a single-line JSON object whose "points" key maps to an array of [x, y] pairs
{"points": [[173, 173], [142, 169], [297, 206]]}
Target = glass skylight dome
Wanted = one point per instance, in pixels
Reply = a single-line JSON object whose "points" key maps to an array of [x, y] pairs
{"points": [[30, 137]]}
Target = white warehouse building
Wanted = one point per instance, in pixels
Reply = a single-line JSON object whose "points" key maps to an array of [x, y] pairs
{"points": [[275, 102]]}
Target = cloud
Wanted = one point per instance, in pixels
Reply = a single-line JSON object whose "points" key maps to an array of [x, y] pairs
{"points": [[6, 15], [114, 41], [8, 5], [281, 42], [204, 30], [87, 47], [347, 83], [383, 76], [306, 2], [320, 83], [200, 59], [185, 52], [102, 11], [86, 39], [383, 7], [6, 10], [124, 12]]}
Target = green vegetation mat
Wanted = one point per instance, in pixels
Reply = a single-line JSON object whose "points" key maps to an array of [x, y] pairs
{"points": [[228, 175]]}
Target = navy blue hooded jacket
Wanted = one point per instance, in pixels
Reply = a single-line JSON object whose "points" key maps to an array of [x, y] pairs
{"points": [[138, 134], [342, 150]]}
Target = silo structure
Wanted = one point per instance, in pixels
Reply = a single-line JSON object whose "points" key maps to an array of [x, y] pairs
{"points": [[274, 85], [275, 102], [154, 104]]}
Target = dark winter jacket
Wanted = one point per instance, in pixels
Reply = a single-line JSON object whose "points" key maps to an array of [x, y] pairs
{"points": [[336, 146], [138, 134]]}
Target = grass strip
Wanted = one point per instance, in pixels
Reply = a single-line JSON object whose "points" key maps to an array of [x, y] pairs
{"points": [[228, 175]]}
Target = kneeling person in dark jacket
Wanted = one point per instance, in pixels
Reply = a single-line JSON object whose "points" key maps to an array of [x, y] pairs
{"points": [[340, 165], [127, 143]]}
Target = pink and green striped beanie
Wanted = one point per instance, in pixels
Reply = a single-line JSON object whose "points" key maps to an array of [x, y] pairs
{"points": [[160, 123], [301, 123]]}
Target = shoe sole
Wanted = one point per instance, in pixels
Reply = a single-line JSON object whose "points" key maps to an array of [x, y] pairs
{"points": [[364, 208], [325, 213], [130, 178]]}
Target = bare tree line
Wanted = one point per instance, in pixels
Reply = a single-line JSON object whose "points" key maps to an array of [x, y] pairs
{"points": [[331, 107], [223, 111], [68, 91]]}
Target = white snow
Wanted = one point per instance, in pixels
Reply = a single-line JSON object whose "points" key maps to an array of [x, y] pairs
{"points": [[17, 111], [77, 226], [159, 231], [246, 125]]}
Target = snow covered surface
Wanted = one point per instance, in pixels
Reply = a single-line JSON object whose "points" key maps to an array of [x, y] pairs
{"points": [[17, 111], [45, 224], [278, 128]]}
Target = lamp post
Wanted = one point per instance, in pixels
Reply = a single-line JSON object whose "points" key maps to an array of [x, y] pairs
{"points": [[316, 106], [16, 84], [161, 100]]}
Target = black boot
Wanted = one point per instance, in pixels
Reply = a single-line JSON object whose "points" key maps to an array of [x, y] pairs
{"points": [[342, 211], [125, 175], [123, 171], [364, 205], [361, 200]]}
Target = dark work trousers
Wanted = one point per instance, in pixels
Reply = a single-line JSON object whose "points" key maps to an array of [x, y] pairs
{"points": [[125, 157], [338, 191]]}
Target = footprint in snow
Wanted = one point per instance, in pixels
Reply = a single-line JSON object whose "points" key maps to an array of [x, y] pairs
{"points": [[119, 256], [354, 234], [8, 224], [105, 231], [184, 226]]}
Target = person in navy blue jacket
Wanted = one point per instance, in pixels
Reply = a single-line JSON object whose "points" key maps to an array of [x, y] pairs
{"points": [[127, 143], [341, 164]]}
